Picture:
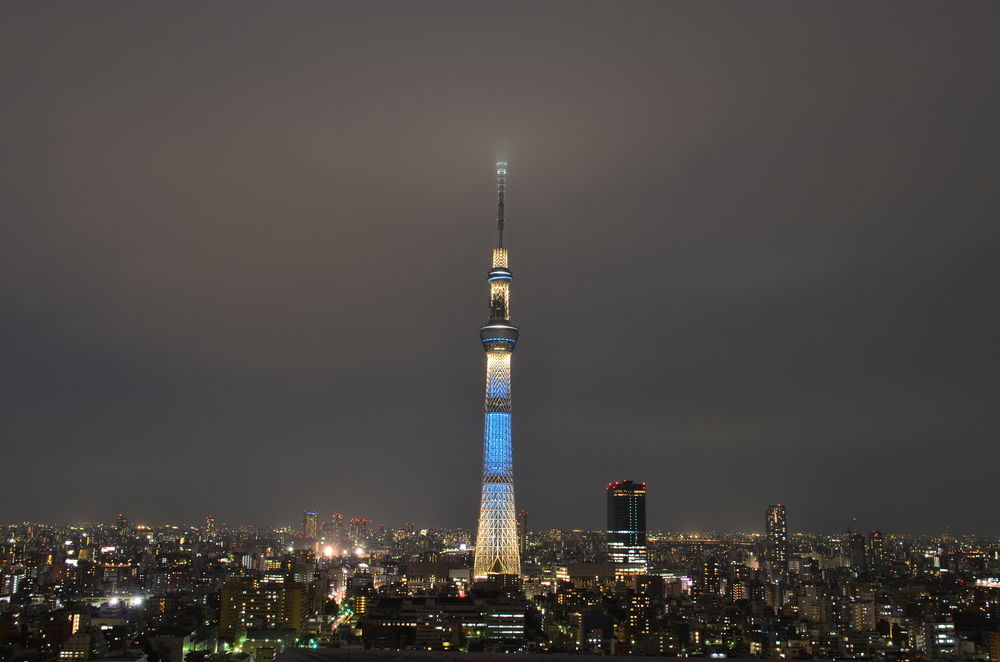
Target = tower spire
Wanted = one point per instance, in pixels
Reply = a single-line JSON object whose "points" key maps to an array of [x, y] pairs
{"points": [[497, 550], [501, 191]]}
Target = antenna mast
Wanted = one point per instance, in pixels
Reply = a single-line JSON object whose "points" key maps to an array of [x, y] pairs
{"points": [[501, 191]]}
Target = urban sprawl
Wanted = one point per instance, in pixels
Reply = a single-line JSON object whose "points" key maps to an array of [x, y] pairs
{"points": [[220, 593]]}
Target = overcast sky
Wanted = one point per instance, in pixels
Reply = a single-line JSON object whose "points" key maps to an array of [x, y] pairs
{"points": [[755, 247]]}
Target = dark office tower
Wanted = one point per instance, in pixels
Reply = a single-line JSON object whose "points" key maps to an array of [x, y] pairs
{"points": [[497, 550], [627, 527], [809, 570], [651, 585], [122, 524], [876, 548], [856, 551], [522, 531], [776, 537], [310, 525]]}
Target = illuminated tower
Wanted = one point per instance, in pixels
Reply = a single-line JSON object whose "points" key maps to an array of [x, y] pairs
{"points": [[497, 549], [776, 537]]}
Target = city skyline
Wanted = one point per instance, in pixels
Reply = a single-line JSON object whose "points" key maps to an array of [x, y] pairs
{"points": [[761, 246], [216, 593], [313, 520]]}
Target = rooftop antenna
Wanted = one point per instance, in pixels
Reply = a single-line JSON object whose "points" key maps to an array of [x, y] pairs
{"points": [[501, 191]]}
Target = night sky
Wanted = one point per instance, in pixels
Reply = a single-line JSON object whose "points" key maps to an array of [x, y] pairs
{"points": [[755, 246]]}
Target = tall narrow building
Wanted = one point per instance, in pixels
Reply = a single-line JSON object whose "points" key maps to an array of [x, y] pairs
{"points": [[627, 527], [310, 524], [776, 537], [211, 532], [522, 532], [876, 548], [338, 532], [497, 549]]}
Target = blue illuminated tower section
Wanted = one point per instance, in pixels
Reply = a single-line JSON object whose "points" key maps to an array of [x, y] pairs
{"points": [[497, 550]]}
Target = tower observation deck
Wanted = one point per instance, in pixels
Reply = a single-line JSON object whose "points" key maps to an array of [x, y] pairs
{"points": [[497, 550]]}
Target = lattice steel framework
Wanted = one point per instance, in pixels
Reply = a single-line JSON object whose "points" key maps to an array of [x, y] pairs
{"points": [[497, 550]]}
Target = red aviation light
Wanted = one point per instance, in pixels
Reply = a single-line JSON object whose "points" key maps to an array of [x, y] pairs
{"points": [[620, 483]]}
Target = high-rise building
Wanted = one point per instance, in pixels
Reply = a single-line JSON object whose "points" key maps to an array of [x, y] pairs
{"points": [[856, 551], [122, 524], [876, 548], [627, 526], [864, 612], [361, 591], [310, 524], [505, 626], [496, 539], [338, 532], [776, 537], [522, 532], [357, 531], [210, 531], [252, 603], [710, 578], [937, 637], [639, 615]]}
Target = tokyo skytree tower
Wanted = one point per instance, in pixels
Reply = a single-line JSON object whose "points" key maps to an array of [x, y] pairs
{"points": [[497, 550]]}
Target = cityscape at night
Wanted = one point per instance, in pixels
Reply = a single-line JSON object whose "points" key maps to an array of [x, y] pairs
{"points": [[217, 591], [246, 248]]}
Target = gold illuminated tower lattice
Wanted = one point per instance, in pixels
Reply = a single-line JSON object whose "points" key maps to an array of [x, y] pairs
{"points": [[497, 550]]}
